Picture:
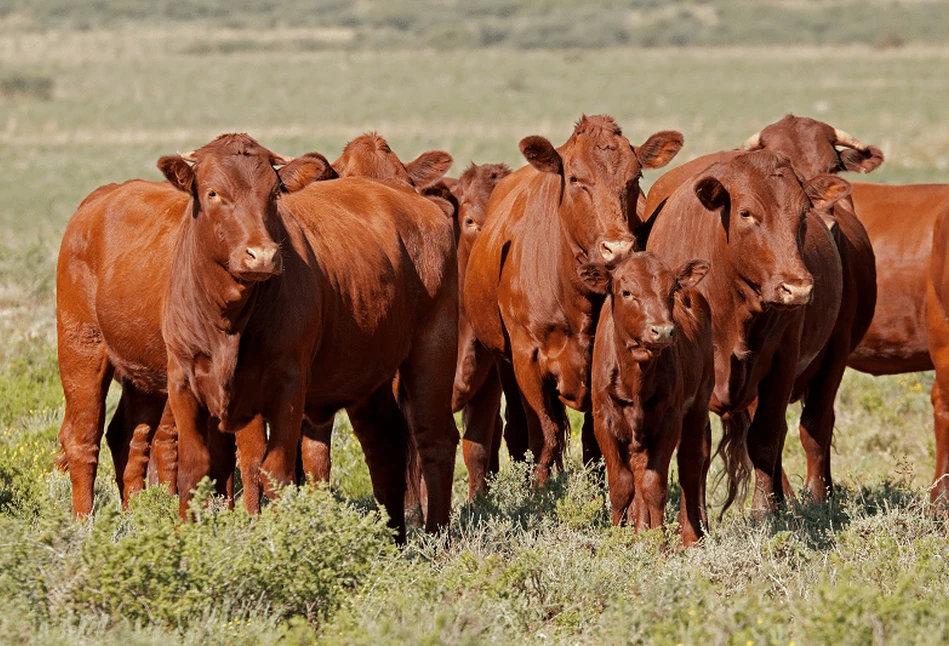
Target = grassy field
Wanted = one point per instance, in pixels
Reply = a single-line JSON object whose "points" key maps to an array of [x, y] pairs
{"points": [[83, 108]]}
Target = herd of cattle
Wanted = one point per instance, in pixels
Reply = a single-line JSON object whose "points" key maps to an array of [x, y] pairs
{"points": [[248, 298]]}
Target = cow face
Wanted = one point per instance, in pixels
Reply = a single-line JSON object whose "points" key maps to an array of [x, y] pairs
{"points": [[600, 171], [369, 155], [234, 188], [812, 147], [473, 192], [763, 209], [642, 292]]}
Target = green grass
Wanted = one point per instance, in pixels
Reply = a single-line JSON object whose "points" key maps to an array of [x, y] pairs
{"points": [[514, 567]]}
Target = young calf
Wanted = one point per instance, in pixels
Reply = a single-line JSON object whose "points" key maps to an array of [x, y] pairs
{"points": [[653, 375]]}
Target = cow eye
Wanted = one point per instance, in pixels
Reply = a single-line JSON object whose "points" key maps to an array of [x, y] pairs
{"points": [[573, 179], [627, 294], [744, 213], [212, 194]]}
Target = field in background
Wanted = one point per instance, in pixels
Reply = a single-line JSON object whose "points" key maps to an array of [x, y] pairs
{"points": [[82, 108]]}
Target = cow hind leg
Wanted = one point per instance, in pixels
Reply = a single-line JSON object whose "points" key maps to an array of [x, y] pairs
{"points": [[315, 450], [515, 418], [425, 392], [86, 374], [481, 443], [766, 437], [694, 458], [251, 448], [130, 436], [817, 419], [383, 434]]}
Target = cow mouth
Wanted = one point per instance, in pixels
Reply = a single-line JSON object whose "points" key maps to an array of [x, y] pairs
{"points": [[641, 351], [249, 277]]}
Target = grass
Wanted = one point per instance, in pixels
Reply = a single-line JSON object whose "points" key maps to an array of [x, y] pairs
{"points": [[513, 567]]}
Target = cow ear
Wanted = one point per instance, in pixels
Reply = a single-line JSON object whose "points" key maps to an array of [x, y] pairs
{"points": [[596, 276], [660, 149], [824, 190], [691, 273], [542, 155], [711, 193], [177, 171], [303, 171], [861, 161], [429, 167]]}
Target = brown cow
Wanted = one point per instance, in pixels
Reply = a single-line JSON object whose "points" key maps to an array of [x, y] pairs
{"points": [[772, 254], [653, 374], [257, 327], [523, 297], [907, 227], [113, 264], [812, 148], [478, 387], [369, 155]]}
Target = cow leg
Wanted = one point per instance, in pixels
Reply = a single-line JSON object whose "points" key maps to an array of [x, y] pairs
{"points": [[383, 434], [547, 428], [130, 436], [425, 390], [619, 477], [937, 328], [767, 433], [222, 452], [194, 456], [286, 425], [251, 448], [315, 449], [694, 458], [515, 418], [165, 451], [650, 467], [589, 445], [481, 443], [86, 373], [817, 418]]}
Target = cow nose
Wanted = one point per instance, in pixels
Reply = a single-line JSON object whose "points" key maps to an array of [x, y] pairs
{"points": [[262, 259], [615, 250], [796, 292], [662, 333]]}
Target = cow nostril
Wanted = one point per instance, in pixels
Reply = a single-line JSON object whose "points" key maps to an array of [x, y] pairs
{"points": [[252, 253]]}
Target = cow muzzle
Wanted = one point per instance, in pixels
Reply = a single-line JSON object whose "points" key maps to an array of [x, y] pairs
{"points": [[612, 251], [261, 262], [792, 293], [661, 335]]}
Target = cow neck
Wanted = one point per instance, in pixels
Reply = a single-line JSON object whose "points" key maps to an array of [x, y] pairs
{"points": [[572, 255], [211, 309]]}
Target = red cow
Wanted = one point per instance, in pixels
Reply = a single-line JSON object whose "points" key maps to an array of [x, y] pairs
{"points": [[907, 227], [113, 265], [523, 297], [477, 381], [812, 148], [772, 255], [653, 374], [254, 326]]}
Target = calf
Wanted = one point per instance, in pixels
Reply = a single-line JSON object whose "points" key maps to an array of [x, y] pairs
{"points": [[653, 374]]}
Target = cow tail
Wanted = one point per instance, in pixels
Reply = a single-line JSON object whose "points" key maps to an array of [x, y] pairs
{"points": [[734, 451], [414, 485]]}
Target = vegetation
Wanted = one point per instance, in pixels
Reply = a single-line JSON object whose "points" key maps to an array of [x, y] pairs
{"points": [[515, 566]]}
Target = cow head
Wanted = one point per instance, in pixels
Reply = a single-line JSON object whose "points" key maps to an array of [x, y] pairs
{"points": [[234, 187], [763, 207], [642, 290], [473, 191], [813, 146], [599, 172], [369, 156]]}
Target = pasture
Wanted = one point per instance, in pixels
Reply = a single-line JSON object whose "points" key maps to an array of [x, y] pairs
{"points": [[82, 108]]}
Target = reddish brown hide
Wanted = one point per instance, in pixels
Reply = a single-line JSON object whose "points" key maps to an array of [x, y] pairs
{"points": [[773, 261], [653, 374], [812, 147], [523, 297], [109, 318], [909, 332], [309, 331]]}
